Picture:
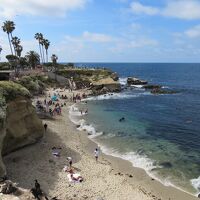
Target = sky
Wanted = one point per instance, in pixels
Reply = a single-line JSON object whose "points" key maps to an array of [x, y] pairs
{"points": [[107, 30]]}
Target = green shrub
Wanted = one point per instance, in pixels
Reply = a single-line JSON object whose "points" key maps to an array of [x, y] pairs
{"points": [[10, 90]]}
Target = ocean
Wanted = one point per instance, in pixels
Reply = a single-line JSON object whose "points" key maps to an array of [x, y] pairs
{"points": [[160, 133]]}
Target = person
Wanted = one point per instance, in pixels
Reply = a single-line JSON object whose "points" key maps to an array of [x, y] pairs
{"points": [[37, 185], [122, 119], [70, 161], [45, 127], [78, 178], [96, 154]]}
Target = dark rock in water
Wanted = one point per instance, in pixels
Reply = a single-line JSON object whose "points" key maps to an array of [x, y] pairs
{"points": [[135, 81], [77, 126], [198, 195], [150, 87], [166, 164], [161, 91]]}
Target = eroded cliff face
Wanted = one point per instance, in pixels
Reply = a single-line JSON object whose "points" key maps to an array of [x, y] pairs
{"points": [[22, 125], [2, 135]]}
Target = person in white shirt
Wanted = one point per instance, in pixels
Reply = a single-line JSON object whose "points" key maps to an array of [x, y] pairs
{"points": [[96, 154]]}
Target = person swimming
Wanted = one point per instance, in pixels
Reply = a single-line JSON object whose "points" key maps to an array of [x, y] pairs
{"points": [[122, 119]]}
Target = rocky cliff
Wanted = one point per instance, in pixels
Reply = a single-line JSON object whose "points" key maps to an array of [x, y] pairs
{"points": [[100, 81], [19, 125], [23, 126]]}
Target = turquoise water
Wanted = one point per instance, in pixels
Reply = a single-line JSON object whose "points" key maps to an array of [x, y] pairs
{"points": [[161, 132]]}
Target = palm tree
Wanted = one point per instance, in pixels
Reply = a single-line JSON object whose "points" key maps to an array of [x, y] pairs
{"points": [[15, 42], [46, 46], [54, 59], [9, 27], [42, 45], [0, 51], [39, 37], [33, 58], [18, 50]]}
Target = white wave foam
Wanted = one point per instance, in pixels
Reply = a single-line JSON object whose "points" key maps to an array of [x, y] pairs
{"points": [[137, 86], [74, 113], [165, 87], [116, 96], [140, 161], [123, 81], [196, 183]]}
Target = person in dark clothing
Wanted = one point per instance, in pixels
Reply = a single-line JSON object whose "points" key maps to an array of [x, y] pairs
{"points": [[37, 185], [37, 192], [45, 127]]}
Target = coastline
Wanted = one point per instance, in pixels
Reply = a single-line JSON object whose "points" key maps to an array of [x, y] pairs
{"points": [[114, 183]]}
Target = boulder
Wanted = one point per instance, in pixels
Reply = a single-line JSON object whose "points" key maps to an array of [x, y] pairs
{"points": [[161, 91], [150, 87], [114, 76], [135, 81]]}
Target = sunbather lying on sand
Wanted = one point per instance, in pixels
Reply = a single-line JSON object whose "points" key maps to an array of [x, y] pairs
{"points": [[56, 151], [75, 177]]}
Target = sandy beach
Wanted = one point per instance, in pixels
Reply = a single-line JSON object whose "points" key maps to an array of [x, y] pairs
{"points": [[108, 179]]}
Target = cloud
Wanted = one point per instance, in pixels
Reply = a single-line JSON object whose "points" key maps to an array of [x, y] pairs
{"points": [[181, 9], [91, 37], [143, 42], [193, 32], [138, 8], [11, 8]]}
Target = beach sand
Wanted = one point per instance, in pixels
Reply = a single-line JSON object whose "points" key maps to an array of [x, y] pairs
{"points": [[107, 179]]}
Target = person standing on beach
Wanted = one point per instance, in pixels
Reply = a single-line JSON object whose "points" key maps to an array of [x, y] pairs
{"points": [[69, 159], [45, 127], [96, 154]]}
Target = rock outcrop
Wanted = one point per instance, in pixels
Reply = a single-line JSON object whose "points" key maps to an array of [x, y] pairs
{"points": [[23, 126], [135, 81], [100, 81], [19, 123], [103, 86]]}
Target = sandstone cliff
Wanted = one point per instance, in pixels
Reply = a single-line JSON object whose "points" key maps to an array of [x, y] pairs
{"points": [[23, 127], [19, 124]]}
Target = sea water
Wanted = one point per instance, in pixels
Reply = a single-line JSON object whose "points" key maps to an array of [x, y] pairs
{"points": [[160, 133]]}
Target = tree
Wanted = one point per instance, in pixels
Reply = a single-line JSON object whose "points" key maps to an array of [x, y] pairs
{"points": [[46, 46], [0, 51], [18, 50], [23, 62], [9, 27], [12, 59], [33, 58], [39, 37], [15, 42], [54, 59], [42, 45]]}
